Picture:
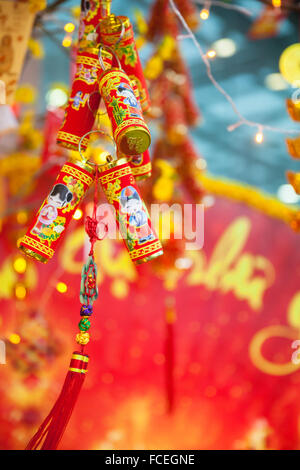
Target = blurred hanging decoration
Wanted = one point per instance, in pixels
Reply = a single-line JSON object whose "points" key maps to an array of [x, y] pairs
{"points": [[16, 23], [36, 348], [268, 22], [289, 66], [290, 69]]}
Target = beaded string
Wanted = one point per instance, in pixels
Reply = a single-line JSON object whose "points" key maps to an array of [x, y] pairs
{"points": [[88, 288]]}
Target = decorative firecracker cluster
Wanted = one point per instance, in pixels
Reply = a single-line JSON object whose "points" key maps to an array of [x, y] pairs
{"points": [[108, 68]]}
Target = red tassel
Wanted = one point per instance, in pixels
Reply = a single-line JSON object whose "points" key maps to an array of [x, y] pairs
{"points": [[170, 356], [52, 429]]}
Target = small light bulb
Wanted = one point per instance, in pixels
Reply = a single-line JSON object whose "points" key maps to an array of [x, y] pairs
{"points": [[22, 217], [276, 3], [67, 41], [259, 137], [61, 287], [211, 53], [78, 214], [20, 265], [69, 27], [204, 14], [14, 338], [20, 292]]}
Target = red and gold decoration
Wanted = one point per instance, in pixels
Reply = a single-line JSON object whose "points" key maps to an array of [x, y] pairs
{"points": [[84, 99], [50, 224], [130, 131], [140, 165], [92, 12], [132, 216], [117, 32]]}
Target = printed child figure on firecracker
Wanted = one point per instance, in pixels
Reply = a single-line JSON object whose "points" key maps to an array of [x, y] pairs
{"points": [[130, 99], [132, 205], [59, 197]]}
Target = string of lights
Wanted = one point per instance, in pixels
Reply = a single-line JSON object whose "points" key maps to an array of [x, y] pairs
{"points": [[242, 120], [207, 4]]}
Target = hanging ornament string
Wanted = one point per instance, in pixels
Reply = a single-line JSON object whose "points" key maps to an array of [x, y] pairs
{"points": [[91, 223]]}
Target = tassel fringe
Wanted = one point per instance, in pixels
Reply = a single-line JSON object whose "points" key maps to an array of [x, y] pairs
{"points": [[52, 429]]}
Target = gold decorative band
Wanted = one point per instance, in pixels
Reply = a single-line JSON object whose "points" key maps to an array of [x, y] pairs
{"points": [[71, 138], [77, 174], [112, 74], [144, 251], [80, 371], [80, 357], [39, 246], [116, 174], [88, 61], [138, 170], [138, 124]]}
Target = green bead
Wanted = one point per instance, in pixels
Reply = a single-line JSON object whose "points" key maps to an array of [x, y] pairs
{"points": [[84, 324]]}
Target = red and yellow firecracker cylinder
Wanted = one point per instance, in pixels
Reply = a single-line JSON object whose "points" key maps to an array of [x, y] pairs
{"points": [[92, 11], [117, 32], [130, 131], [140, 165], [55, 214], [84, 99], [132, 216]]}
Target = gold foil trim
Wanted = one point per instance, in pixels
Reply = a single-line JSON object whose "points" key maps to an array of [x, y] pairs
{"points": [[145, 250], [77, 174], [71, 139], [38, 245]]}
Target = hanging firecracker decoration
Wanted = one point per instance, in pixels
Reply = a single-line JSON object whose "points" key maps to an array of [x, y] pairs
{"points": [[117, 32], [140, 164], [92, 12], [183, 86], [162, 20], [52, 429], [131, 213], [55, 214], [84, 98], [189, 11], [130, 131]]}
